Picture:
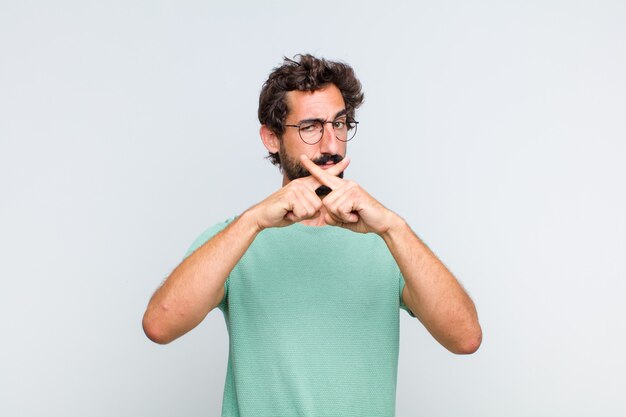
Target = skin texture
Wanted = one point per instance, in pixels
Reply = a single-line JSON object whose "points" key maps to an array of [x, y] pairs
{"points": [[431, 292]]}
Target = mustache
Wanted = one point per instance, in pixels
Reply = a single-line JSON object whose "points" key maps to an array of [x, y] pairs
{"points": [[325, 158]]}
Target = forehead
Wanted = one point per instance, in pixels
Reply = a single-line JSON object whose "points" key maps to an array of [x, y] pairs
{"points": [[324, 103]]}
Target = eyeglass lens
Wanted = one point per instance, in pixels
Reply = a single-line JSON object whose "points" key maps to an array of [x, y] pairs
{"points": [[312, 132]]}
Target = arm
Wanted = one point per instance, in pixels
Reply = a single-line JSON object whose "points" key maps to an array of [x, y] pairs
{"points": [[196, 286], [431, 292]]}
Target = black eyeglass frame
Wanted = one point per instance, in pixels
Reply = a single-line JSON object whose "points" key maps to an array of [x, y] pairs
{"points": [[324, 122]]}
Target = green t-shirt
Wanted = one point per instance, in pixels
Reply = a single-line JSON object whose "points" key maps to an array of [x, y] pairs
{"points": [[313, 321]]}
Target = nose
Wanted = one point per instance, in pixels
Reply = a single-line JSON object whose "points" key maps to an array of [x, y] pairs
{"points": [[329, 142]]}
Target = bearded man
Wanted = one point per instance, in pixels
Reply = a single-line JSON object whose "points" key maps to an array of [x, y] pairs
{"points": [[311, 280]]}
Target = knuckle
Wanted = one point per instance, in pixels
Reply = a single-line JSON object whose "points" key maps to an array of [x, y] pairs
{"points": [[299, 212]]}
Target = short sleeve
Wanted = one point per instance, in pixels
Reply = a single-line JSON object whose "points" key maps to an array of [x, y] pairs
{"points": [[206, 236]]}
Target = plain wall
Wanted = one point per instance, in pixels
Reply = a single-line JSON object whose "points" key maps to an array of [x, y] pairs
{"points": [[497, 129]]}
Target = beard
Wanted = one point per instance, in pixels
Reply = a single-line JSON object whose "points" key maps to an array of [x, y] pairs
{"points": [[293, 169]]}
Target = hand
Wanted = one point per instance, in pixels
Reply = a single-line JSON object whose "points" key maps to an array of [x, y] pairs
{"points": [[348, 205], [294, 202]]}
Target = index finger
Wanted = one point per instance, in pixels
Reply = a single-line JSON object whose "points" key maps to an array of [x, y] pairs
{"points": [[326, 177]]}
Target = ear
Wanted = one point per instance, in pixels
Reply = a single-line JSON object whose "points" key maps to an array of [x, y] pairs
{"points": [[270, 139]]}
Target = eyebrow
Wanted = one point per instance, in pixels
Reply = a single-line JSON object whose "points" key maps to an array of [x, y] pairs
{"points": [[338, 115]]}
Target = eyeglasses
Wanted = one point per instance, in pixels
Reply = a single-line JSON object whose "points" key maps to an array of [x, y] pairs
{"points": [[311, 131]]}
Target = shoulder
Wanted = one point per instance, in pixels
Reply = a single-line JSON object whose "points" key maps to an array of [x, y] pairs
{"points": [[207, 235]]}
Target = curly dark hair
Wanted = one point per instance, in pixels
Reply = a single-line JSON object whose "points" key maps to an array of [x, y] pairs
{"points": [[304, 73]]}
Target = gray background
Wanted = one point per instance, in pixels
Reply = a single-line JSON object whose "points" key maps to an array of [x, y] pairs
{"points": [[497, 129]]}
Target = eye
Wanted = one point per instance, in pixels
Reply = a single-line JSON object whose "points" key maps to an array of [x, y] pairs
{"points": [[339, 124], [307, 127]]}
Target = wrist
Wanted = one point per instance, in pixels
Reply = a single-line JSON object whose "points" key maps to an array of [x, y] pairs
{"points": [[250, 220], [396, 226]]}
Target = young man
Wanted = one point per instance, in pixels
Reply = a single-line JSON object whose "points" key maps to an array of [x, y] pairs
{"points": [[311, 279]]}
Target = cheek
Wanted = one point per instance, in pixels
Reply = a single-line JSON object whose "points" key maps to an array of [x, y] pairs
{"points": [[342, 149], [295, 148]]}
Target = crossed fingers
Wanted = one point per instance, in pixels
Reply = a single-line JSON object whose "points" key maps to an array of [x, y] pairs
{"points": [[326, 177], [305, 204], [340, 205]]}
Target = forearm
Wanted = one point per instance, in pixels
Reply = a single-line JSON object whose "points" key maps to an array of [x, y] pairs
{"points": [[196, 286], [432, 293]]}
